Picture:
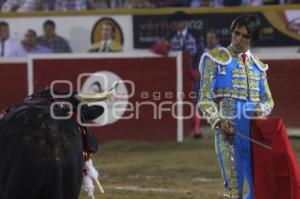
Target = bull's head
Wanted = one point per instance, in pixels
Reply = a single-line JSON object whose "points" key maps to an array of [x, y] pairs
{"points": [[87, 113], [94, 111]]}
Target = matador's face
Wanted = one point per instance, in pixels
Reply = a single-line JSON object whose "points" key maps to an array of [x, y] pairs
{"points": [[240, 40]]}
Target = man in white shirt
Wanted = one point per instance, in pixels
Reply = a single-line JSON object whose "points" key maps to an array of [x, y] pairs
{"points": [[9, 47]]}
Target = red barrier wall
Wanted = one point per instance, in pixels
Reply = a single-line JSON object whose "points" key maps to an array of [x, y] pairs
{"points": [[284, 82], [13, 83], [148, 74], [156, 74]]}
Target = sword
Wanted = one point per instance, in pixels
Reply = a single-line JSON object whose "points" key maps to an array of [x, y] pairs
{"points": [[253, 140]]}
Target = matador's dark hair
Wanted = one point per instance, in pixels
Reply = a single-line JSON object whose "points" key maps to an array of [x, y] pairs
{"points": [[251, 22]]}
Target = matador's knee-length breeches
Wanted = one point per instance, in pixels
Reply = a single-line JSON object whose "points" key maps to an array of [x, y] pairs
{"points": [[235, 157]]}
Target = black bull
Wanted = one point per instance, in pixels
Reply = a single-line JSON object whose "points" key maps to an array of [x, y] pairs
{"points": [[42, 157]]}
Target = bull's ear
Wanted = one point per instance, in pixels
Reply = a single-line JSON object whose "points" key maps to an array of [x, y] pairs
{"points": [[90, 113]]}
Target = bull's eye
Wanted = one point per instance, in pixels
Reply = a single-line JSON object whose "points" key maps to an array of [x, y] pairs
{"points": [[61, 110], [63, 106]]}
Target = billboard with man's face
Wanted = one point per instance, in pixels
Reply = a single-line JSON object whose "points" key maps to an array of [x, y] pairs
{"points": [[104, 26]]}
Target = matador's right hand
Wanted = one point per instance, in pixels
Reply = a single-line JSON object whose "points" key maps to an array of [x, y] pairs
{"points": [[227, 127]]}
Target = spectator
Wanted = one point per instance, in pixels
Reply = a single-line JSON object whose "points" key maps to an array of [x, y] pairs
{"points": [[131, 4], [144, 4], [212, 41], [1, 3], [19, 5], [45, 5], [96, 4], [9, 46], [270, 2], [184, 40], [232, 2], [55, 42], [71, 5], [30, 44], [107, 42], [40, 5], [206, 3], [165, 3], [179, 3], [253, 2], [119, 3], [293, 1]]}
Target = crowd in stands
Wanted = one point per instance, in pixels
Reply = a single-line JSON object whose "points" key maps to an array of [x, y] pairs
{"points": [[49, 42], [63, 5]]}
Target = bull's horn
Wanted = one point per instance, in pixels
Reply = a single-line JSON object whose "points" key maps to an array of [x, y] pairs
{"points": [[93, 97]]}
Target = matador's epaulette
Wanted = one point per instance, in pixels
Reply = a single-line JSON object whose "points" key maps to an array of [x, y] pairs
{"points": [[220, 56], [260, 64]]}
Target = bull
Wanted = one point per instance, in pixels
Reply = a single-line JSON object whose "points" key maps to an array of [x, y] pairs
{"points": [[41, 156]]}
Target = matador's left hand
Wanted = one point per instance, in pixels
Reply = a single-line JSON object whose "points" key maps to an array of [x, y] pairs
{"points": [[258, 113]]}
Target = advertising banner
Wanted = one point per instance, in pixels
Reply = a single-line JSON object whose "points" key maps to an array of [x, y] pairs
{"points": [[279, 28]]}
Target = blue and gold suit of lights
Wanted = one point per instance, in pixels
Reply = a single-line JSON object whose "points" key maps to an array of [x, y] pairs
{"points": [[231, 89]]}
